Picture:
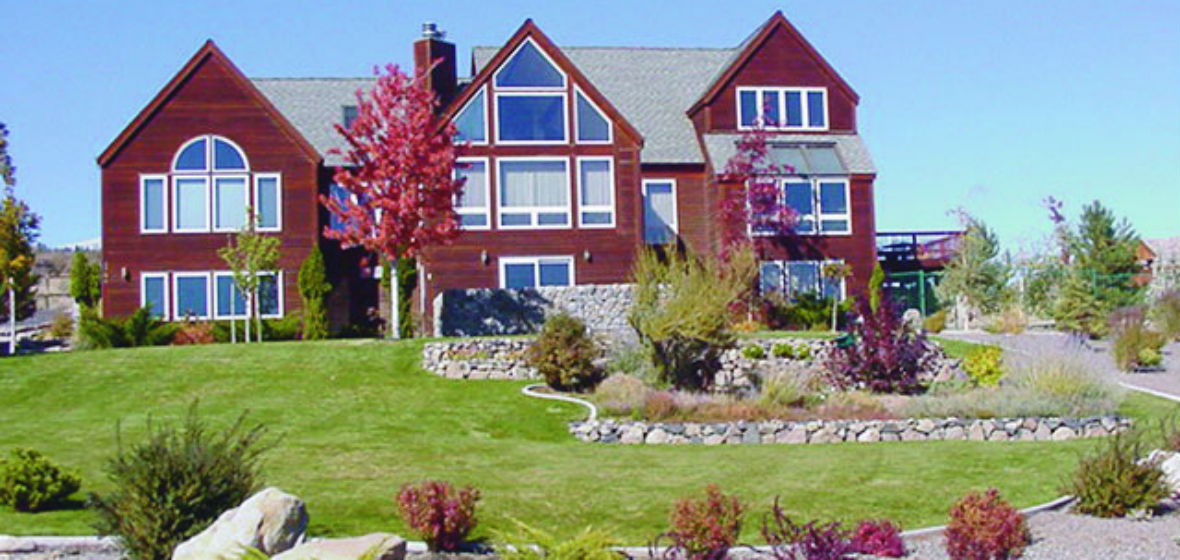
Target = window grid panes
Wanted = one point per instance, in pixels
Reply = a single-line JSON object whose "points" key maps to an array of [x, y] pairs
{"points": [[782, 108], [821, 205], [472, 206], [596, 187], [532, 272], [794, 278], [534, 193], [210, 188]]}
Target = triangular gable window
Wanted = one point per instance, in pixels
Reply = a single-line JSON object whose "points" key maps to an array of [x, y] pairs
{"points": [[470, 122], [592, 126], [528, 68]]}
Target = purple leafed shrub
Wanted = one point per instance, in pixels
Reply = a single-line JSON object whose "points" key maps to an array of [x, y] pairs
{"points": [[879, 538], [810, 541], [985, 527], [704, 529], [441, 515], [887, 357]]}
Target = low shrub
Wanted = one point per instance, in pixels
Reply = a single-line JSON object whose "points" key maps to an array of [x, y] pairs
{"points": [[813, 540], [1112, 482], [747, 326], [783, 350], [1011, 320], [62, 327], [706, 528], [802, 352], [985, 527], [1133, 345], [30, 482], [529, 543], [137, 329], [659, 405], [176, 482], [1168, 429], [785, 387], [985, 365], [622, 394], [753, 352], [194, 333], [853, 405], [886, 356], [440, 515], [1165, 314], [935, 322], [289, 327], [878, 538], [564, 354]]}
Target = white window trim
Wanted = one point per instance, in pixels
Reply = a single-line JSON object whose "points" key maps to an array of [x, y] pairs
{"points": [[817, 214], [534, 210], [782, 107], [282, 307], [164, 199], [253, 194], [176, 277], [278, 274], [565, 120], [496, 74], [209, 138], [582, 208], [535, 261], [247, 187], [175, 199], [217, 297], [675, 204], [784, 269], [610, 127], [486, 209], [143, 278], [487, 132]]}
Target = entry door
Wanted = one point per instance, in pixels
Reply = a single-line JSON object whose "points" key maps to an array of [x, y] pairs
{"points": [[659, 210]]}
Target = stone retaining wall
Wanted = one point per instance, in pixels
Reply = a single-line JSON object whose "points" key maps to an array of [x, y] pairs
{"points": [[834, 431], [491, 312], [479, 358]]}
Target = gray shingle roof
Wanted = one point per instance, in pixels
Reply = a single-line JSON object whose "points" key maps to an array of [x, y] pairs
{"points": [[313, 105], [850, 148], [651, 87]]}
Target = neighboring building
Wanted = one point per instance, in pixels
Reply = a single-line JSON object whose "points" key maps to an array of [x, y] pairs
{"points": [[577, 156]]}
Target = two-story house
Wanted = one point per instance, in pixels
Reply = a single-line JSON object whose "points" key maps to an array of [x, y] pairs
{"points": [[574, 157]]}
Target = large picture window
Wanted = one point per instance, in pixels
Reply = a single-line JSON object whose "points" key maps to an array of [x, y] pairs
{"points": [[211, 188], [779, 108], [190, 295], [821, 205], [534, 193], [518, 273], [530, 118], [795, 278]]}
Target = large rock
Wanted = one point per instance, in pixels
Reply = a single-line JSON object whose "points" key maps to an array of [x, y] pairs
{"points": [[271, 521], [376, 546], [1168, 462]]}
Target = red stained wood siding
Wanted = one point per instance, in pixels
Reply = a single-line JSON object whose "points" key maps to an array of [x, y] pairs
{"points": [[211, 99]]}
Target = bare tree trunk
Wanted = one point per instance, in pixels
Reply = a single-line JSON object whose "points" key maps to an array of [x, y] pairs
{"points": [[247, 321], [395, 289], [11, 320], [233, 321], [257, 315]]}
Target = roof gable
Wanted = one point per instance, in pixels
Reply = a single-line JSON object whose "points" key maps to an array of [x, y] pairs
{"points": [[753, 44], [207, 54], [529, 31]]}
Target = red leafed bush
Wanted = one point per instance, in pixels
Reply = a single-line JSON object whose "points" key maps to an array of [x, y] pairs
{"points": [[441, 515], [985, 527], [194, 333], [808, 541], [705, 529], [886, 356], [879, 538]]}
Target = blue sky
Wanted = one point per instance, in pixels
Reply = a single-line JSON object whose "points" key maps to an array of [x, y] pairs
{"points": [[986, 105]]}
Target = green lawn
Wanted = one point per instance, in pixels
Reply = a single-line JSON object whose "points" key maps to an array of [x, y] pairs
{"points": [[359, 418]]}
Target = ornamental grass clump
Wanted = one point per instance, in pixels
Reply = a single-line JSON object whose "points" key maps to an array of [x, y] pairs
{"points": [[1113, 481], [705, 528], [985, 527], [564, 354], [885, 356], [440, 515], [529, 543], [30, 482]]}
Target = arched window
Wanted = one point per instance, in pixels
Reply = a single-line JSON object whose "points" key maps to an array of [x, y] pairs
{"points": [[212, 188]]}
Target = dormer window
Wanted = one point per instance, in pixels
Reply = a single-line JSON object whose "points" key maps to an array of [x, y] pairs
{"points": [[779, 108], [530, 99], [348, 116]]}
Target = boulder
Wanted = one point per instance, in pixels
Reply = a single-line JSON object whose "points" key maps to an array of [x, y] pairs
{"points": [[375, 546], [271, 521], [1168, 462]]}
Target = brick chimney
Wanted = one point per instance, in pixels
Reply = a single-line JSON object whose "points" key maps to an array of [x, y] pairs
{"points": [[430, 48]]}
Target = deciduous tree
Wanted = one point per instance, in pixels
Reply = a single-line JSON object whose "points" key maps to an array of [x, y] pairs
{"points": [[19, 229], [250, 254], [756, 204], [85, 281], [398, 173], [975, 275]]}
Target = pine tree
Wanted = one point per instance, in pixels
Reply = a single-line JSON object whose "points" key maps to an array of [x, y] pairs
{"points": [[85, 281], [313, 288]]}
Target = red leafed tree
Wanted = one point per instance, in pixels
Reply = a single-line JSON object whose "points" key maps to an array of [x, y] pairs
{"points": [[755, 202], [398, 175]]}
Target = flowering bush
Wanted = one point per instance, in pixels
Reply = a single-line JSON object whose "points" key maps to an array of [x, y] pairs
{"points": [[878, 538], [705, 529], [441, 515], [985, 527], [886, 357]]}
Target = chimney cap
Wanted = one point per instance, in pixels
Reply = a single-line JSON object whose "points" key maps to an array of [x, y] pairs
{"points": [[430, 30]]}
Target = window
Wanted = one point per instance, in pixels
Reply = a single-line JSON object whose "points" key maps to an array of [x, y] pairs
{"points": [[191, 200], [794, 278], [783, 108], [659, 210], [529, 68], [592, 125], [596, 192], [191, 294], [532, 272], [348, 116], [270, 294], [341, 195], [821, 205], [268, 203], [534, 193], [152, 203], [229, 301], [472, 206], [470, 123], [530, 118], [229, 206], [153, 293]]}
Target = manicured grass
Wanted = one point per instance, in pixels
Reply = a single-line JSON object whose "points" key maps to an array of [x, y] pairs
{"points": [[820, 335], [957, 349], [359, 418]]}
